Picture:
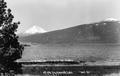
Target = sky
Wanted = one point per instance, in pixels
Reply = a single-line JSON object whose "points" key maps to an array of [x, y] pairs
{"points": [[58, 14]]}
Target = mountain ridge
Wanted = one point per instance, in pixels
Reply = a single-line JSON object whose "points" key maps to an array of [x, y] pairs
{"points": [[98, 32]]}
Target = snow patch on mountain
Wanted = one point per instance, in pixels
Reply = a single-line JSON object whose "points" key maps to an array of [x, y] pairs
{"points": [[111, 19], [35, 29]]}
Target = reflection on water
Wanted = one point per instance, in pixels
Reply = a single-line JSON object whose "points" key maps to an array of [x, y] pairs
{"points": [[16, 69], [71, 70]]}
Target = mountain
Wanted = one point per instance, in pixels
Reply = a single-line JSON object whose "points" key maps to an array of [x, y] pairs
{"points": [[35, 29], [68, 44], [32, 30], [107, 31]]}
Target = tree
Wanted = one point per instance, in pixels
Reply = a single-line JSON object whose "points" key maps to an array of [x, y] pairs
{"points": [[10, 48]]}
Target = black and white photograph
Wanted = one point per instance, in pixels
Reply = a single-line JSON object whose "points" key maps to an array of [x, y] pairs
{"points": [[59, 37]]}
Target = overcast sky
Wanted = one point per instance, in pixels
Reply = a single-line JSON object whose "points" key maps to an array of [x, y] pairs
{"points": [[57, 14]]}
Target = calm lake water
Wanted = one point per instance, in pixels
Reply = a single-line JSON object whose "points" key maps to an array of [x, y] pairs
{"points": [[73, 52], [94, 54]]}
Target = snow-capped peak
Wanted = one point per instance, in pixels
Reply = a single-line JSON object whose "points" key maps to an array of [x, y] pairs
{"points": [[35, 29], [111, 19]]}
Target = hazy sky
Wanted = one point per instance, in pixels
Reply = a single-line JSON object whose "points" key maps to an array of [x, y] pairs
{"points": [[57, 14]]}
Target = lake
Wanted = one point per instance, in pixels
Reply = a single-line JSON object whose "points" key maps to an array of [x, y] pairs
{"points": [[100, 59], [87, 52]]}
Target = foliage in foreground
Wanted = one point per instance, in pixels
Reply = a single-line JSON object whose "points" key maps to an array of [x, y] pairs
{"points": [[10, 48]]}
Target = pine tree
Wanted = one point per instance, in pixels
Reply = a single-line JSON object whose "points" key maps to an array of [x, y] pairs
{"points": [[10, 48]]}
